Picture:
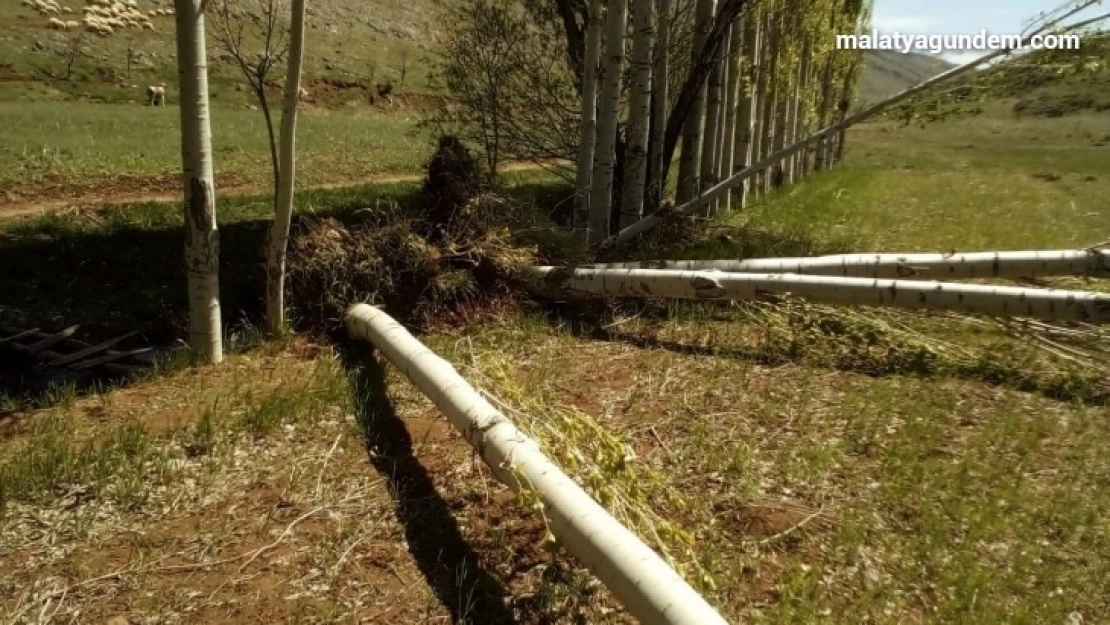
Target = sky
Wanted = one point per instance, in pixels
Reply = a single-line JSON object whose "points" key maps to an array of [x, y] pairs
{"points": [[941, 17]]}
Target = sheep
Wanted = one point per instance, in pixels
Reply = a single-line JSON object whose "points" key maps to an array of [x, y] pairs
{"points": [[67, 10], [303, 93], [148, 26], [56, 24], [156, 95], [72, 25]]}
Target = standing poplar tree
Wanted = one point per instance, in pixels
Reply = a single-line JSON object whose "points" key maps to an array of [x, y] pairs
{"points": [[588, 135], [639, 113], [732, 108], [692, 131], [202, 238], [278, 240], [608, 117], [660, 99], [711, 134], [768, 129], [747, 126]]}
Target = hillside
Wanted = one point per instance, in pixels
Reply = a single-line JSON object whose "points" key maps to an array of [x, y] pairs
{"points": [[1044, 83], [888, 72], [375, 41]]}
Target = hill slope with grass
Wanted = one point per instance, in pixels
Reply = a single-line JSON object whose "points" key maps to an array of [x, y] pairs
{"points": [[373, 41], [887, 72], [350, 48], [1041, 83]]}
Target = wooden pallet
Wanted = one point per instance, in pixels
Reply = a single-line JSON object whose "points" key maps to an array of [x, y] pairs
{"points": [[54, 351]]}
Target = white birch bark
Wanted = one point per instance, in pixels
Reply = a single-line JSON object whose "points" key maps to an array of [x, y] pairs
{"points": [[608, 116], [711, 134], [650, 589], [1045, 304], [588, 136], [688, 208], [794, 128], [780, 95], [824, 110], [732, 107], [770, 94], [807, 109], [746, 131], [639, 113], [689, 160], [660, 96], [278, 240], [838, 138], [202, 239], [1092, 263]]}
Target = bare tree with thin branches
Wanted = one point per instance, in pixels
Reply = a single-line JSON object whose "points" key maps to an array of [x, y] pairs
{"points": [[255, 34]]}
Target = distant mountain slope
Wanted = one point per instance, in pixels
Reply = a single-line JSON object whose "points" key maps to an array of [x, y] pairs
{"points": [[1047, 83], [886, 72], [1052, 83]]}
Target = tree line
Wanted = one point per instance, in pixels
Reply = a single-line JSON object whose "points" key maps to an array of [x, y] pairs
{"points": [[615, 87], [602, 91]]}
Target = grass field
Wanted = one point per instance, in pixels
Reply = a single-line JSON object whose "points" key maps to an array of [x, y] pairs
{"points": [[839, 467], [995, 181], [70, 146]]}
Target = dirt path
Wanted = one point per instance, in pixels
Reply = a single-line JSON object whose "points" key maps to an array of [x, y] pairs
{"points": [[167, 188]]}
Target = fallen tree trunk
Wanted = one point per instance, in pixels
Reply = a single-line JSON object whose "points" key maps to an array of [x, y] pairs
{"points": [[635, 574], [1094, 263], [1046, 304]]}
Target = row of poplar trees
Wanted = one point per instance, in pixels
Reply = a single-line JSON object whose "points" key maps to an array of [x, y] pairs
{"points": [[766, 73]]}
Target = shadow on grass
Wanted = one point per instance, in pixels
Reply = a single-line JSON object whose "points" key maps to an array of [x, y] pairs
{"points": [[122, 269], [592, 320], [449, 565]]}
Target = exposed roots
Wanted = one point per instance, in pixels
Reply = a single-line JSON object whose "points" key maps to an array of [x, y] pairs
{"points": [[455, 260]]}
